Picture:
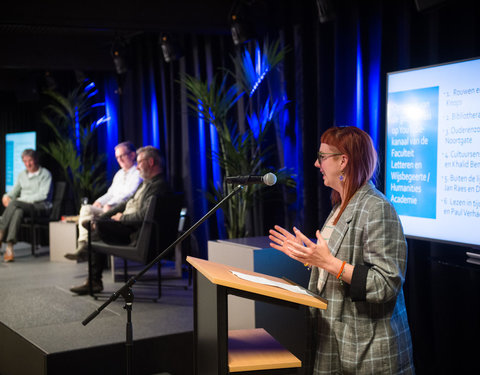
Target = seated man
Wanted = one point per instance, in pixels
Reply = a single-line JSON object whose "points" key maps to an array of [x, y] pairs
{"points": [[124, 184], [31, 195], [120, 225]]}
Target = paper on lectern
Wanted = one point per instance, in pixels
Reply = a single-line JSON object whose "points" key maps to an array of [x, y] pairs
{"points": [[264, 281]]}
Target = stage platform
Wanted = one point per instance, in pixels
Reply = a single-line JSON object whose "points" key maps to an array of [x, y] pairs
{"points": [[41, 330]]}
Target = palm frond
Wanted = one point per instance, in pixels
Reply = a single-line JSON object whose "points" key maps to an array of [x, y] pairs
{"points": [[70, 118], [253, 70], [239, 153]]}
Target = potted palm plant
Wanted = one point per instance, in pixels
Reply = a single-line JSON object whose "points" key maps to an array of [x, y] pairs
{"points": [[74, 120], [240, 153]]}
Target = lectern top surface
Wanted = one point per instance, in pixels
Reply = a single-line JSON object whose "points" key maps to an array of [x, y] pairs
{"points": [[220, 274]]}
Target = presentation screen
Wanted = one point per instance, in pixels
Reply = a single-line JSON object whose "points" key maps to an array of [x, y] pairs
{"points": [[432, 152], [15, 143]]}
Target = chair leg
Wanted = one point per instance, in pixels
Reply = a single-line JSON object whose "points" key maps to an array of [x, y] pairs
{"points": [[159, 275], [90, 287], [33, 239]]}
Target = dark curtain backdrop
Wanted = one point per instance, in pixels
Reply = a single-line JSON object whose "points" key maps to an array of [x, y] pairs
{"points": [[333, 74], [151, 87], [182, 141]]}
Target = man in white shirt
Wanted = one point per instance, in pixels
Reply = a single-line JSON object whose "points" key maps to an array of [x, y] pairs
{"points": [[124, 185]]}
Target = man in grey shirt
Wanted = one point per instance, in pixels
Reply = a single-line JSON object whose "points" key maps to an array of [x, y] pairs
{"points": [[31, 195]]}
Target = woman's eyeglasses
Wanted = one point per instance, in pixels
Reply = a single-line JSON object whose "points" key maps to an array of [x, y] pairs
{"points": [[321, 156]]}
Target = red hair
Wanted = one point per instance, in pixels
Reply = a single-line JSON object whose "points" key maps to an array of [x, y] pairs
{"points": [[362, 160]]}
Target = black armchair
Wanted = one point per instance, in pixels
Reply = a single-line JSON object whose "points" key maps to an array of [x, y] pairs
{"points": [[34, 222], [158, 231]]}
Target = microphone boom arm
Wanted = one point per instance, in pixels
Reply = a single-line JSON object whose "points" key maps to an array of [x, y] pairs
{"points": [[123, 290]]}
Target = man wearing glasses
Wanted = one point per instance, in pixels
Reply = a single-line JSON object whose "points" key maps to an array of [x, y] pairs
{"points": [[124, 184], [120, 225]]}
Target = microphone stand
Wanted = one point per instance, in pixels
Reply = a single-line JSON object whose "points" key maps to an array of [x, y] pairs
{"points": [[126, 290]]}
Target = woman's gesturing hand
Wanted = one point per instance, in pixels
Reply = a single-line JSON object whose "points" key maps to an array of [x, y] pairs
{"points": [[280, 236], [300, 247]]}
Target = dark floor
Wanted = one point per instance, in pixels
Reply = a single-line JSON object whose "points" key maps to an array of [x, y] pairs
{"points": [[35, 303]]}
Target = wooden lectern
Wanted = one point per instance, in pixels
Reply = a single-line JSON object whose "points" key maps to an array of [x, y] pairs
{"points": [[218, 351]]}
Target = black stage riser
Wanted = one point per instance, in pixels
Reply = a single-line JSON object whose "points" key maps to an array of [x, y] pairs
{"points": [[172, 354]]}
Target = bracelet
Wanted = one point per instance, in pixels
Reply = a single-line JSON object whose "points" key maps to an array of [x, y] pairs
{"points": [[308, 266], [340, 273], [340, 278]]}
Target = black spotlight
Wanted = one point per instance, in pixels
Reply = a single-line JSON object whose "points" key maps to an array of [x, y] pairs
{"points": [[326, 10], [119, 55], [241, 27], [423, 5], [170, 48], [241, 31]]}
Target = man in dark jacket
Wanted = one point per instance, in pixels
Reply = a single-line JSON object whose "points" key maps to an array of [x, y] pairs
{"points": [[120, 225]]}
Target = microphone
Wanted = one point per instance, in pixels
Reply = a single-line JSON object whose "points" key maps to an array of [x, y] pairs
{"points": [[268, 179]]}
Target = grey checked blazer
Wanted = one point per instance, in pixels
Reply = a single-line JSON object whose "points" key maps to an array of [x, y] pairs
{"points": [[365, 330]]}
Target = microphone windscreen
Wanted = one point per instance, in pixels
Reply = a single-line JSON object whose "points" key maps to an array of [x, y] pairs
{"points": [[269, 179]]}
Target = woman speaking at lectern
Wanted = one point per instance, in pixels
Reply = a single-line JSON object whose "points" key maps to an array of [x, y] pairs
{"points": [[358, 265]]}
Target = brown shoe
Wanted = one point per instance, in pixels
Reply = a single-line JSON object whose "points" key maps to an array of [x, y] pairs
{"points": [[81, 254], [97, 287], [7, 258]]}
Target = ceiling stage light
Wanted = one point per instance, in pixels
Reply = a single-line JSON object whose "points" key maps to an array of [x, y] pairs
{"points": [[170, 48], [241, 27], [119, 55]]}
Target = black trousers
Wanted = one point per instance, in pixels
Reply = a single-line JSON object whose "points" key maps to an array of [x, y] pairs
{"points": [[113, 233]]}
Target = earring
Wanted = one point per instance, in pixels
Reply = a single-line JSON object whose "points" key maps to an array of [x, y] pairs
{"points": [[341, 177]]}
